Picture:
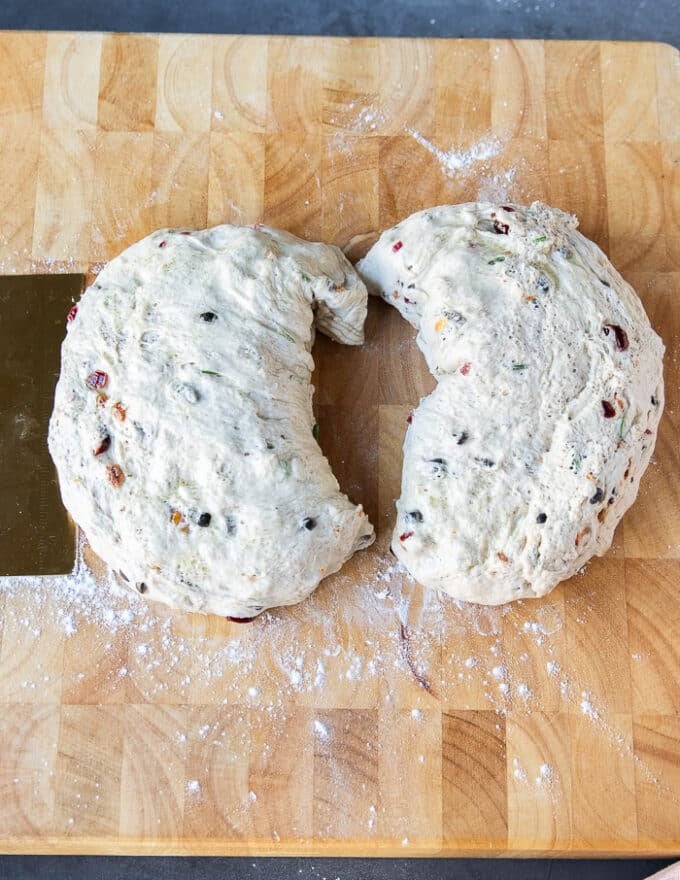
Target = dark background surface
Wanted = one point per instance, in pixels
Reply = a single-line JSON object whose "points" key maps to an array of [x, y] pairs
{"points": [[540, 19]]}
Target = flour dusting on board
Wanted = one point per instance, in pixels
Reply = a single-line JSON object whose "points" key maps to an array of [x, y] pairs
{"points": [[380, 641], [454, 161]]}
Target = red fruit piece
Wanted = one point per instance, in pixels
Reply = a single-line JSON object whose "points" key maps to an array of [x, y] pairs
{"points": [[397, 246], [608, 409], [620, 335], [98, 379], [103, 445], [240, 619], [115, 475], [73, 311], [500, 228], [465, 369], [405, 536]]}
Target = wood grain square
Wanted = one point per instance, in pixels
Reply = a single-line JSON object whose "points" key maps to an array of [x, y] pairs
{"points": [[63, 200], [534, 653], [179, 180], [235, 177], [28, 749], [292, 183], [406, 70], [604, 814], [355, 463], [410, 788], [71, 90], [573, 92], [636, 214], [346, 772], [154, 748], [472, 647], [398, 196], [350, 82], [597, 651], [281, 774], [294, 86], [629, 103], [184, 91], [216, 786], [349, 199], [577, 185], [670, 159], [20, 147], [239, 84], [403, 376], [654, 634], [31, 658], [668, 91], [462, 92], [88, 771], [96, 667], [474, 788], [127, 83], [518, 89], [22, 59], [657, 780], [539, 781], [650, 527], [122, 192]]}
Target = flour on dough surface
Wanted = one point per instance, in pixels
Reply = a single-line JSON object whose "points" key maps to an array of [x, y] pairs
{"points": [[183, 431], [520, 464]]}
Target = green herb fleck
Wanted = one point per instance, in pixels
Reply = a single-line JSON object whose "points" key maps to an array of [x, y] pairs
{"points": [[316, 431], [540, 239], [519, 367], [305, 277], [576, 462], [622, 426], [496, 260], [285, 466], [210, 373], [285, 334]]}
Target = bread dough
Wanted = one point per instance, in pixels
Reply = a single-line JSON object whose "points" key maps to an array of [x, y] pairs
{"points": [[183, 431], [520, 464]]}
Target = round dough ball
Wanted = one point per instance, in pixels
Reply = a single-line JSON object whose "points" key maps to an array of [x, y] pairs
{"points": [[183, 431], [520, 464]]}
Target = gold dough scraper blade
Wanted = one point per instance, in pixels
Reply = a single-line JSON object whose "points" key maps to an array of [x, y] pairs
{"points": [[36, 535]]}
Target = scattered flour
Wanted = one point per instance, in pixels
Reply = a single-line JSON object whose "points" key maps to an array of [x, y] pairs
{"points": [[453, 162]]}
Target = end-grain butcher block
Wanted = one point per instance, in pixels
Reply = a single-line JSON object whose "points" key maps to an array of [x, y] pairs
{"points": [[520, 464], [183, 430]]}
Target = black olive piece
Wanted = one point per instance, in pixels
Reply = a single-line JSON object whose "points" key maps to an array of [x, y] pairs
{"points": [[439, 466], [204, 519], [231, 525], [309, 523], [411, 286], [541, 518], [208, 317], [142, 587], [269, 444], [124, 576], [241, 619], [365, 538], [597, 497], [464, 436], [606, 283], [487, 462], [414, 516], [655, 402], [393, 553]]}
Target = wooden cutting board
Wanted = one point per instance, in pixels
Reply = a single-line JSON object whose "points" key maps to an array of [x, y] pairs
{"points": [[372, 719]]}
